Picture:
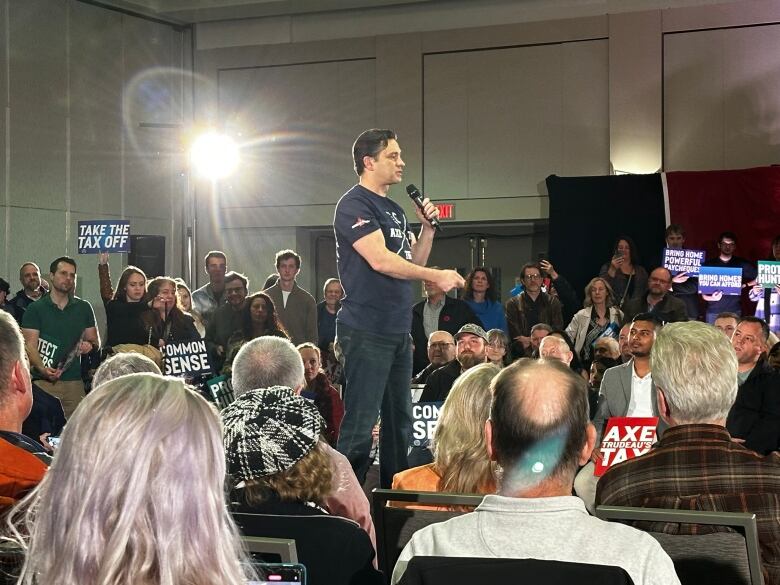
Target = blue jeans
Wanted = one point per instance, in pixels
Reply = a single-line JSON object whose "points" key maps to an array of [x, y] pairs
{"points": [[378, 371]]}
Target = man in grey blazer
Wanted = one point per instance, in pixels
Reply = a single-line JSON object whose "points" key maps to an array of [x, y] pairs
{"points": [[626, 390]]}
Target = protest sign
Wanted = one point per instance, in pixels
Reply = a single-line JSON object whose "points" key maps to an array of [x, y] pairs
{"points": [[768, 274], [625, 437], [186, 359], [425, 416], [720, 279], [104, 235], [221, 390], [683, 260]]}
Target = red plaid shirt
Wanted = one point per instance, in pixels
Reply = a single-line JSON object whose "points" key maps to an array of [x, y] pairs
{"points": [[699, 467]]}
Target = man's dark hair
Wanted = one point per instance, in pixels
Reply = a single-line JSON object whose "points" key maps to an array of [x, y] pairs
{"points": [[370, 143], [519, 440], [214, 254], [649, 317], [727, 315], [66, 259], [761, 322], [729, 235], [5, 286], [282, 255], [528, 265], [674, 228], [231, 276]]}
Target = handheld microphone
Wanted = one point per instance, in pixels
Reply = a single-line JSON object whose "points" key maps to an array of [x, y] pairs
{"points": [[416, 196]]}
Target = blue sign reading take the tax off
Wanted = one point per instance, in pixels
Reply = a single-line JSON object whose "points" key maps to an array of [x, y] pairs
{"points": [[104, 235]]}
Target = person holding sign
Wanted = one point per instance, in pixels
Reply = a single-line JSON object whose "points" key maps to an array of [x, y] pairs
{"points": [[697, 465], [166, 322], [684, 286], [57, 329], [718, 302], [767, 291], [124, 307]]}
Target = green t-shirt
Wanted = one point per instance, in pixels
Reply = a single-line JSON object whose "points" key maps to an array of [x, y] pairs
{"points": [[59, 330]]}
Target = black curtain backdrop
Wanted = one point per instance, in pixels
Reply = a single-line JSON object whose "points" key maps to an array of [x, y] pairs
{"points": [[587, 214]]}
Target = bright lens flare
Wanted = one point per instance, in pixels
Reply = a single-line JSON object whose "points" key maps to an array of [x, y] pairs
{"points": [[214, 156]]}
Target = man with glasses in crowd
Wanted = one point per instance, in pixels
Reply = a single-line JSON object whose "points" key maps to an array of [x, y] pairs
{"points": [[658, 300], [718, 302], [441, 351]]}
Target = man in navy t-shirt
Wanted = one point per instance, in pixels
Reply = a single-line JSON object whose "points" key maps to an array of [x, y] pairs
{"points": [[377, 258]]}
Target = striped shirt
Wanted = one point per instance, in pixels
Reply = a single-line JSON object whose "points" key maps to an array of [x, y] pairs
{"points": [[699, 467]]}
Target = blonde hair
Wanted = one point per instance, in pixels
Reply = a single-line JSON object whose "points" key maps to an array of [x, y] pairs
{"points": [[459, 446], [608, 302], [135, 494]]}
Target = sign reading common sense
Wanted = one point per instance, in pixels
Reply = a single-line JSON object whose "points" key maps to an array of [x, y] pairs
{"points": [[186, 359], [104, 235]]}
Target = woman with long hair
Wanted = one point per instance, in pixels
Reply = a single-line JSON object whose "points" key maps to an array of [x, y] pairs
{"points": [[481, 295], [460, 460], [321, 391], [124, 306], [623, 272], [185, 301], [258, 317], [135, 495], [599, 317], [167, 322]]}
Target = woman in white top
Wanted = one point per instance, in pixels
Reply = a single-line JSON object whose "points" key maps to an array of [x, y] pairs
{"points": [[599, 318]]}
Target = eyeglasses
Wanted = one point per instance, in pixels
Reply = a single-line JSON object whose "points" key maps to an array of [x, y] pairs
{"points": [[440, 345], [533, 276]]}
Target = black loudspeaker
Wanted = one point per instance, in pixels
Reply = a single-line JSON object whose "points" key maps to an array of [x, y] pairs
{"points": [[148, 254]]}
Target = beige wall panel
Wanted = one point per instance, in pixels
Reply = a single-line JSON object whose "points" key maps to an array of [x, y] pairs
{"points": [[37, 235], [96, 109], [694, 105], [252, 251], [297, 124], [585, 112], [39, 103]]}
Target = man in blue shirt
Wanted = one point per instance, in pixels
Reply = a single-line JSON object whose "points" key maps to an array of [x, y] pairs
{"points": [[377, 258]]}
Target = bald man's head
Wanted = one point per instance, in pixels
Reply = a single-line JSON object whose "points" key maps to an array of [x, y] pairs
{"points": [[441, 348], [539, 420]]}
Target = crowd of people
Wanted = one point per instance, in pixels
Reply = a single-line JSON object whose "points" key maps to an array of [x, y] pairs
{"points": [[528, 387]]}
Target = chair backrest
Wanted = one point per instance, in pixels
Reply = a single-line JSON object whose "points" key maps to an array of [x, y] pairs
{"points": [[284, 548], [11, 562], [721, 557], [457, 570], [395, 526]]}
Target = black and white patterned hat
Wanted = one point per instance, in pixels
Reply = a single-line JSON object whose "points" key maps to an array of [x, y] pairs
{"points": [[268, 430]]}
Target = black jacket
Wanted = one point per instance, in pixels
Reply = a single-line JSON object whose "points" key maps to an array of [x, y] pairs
{"points": [[440, 382], [18, 305], [670, 309], [454, 315], [755, 415]]}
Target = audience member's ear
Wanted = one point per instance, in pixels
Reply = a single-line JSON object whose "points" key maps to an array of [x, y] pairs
{"points": [[590, 444], [663, 407], [20, 378], [489, 439]]}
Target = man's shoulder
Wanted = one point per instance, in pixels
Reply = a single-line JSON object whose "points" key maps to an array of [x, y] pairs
{"points": [[303, 294], [202, 292]]}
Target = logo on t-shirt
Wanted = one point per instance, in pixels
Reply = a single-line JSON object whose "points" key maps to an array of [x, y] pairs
{"points": [[394, 217], [360, 222]]}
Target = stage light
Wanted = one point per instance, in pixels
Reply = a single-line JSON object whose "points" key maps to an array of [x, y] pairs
{"points": [[214, 156]]}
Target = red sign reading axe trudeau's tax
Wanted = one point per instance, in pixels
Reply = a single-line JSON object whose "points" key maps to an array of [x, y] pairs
{"points": [[625, 438]]}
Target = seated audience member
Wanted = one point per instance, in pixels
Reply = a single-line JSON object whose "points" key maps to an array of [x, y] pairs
{"points": [[768, 299], [481, 295], [441, 351], [319, 389], [460, 464], [166, 322], [684, 287], [497, 346], [600, 318], [123, 364], [575, 364], [437, 312], [332, 292], [273, 444], [597, 368], [530, 307], [625, 350], [773, 357], [626, 390], [624, 273], [124, 510], [755, 416], [538, 332], [32, 290], [125, 306], [726, 323], [258, 318], [23, 461], [185, 300], [555, 348], [658, 300], [5, 289], [697, 465], [226, 319], [718, 302], [273, 361], [606, 347], [470, 351], [538, 433]]}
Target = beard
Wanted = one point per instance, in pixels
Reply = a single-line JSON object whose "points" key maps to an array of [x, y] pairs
{"points": [[468, 359]]}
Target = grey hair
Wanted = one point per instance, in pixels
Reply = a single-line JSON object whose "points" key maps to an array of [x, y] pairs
{"points": [[562, 345], [148, 508], [696, 367], [267, 361], [11, 350], [122, 364], [542, 327]]}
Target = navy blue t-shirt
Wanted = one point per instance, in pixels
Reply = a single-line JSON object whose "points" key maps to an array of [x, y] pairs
{"points": [[372, 301], [731, 303]]}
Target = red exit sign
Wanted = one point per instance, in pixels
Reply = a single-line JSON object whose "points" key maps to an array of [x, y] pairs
{"points": [[446, 210]]}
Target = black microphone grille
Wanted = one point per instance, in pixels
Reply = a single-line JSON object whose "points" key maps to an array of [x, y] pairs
{"points": [[412, 191]]}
